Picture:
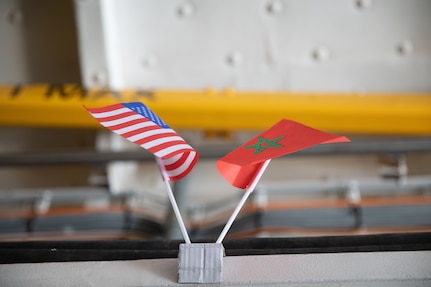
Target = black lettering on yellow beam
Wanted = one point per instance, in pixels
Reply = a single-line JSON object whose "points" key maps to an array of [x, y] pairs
{"points": [[43, 105]]}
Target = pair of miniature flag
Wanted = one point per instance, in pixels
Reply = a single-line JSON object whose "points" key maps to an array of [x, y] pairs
{"points": [[138, 124], [242, 168]]}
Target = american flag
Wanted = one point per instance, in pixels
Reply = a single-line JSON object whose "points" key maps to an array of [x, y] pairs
{"points": [[137, 123]]}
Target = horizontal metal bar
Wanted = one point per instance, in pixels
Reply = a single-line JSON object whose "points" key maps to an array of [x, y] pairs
{"points": [[387, 145], [103, 250], [367, 187], [371, 113], [69, 194]]}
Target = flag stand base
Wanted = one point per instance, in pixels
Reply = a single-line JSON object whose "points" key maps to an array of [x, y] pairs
{"points": [[200, 263]]}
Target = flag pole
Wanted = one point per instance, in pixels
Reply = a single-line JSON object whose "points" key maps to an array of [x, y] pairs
{"points": [[247, 193], [173, 201]]}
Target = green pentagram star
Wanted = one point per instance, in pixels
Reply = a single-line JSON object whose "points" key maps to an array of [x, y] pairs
{"points": [[263, 144]]}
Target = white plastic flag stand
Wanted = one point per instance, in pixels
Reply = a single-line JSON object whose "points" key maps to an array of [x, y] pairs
{"points": [[203, 262], [200, 263], [197, 262]]}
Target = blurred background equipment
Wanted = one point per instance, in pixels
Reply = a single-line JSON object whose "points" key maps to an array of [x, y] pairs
{"points": [[219, 72]]}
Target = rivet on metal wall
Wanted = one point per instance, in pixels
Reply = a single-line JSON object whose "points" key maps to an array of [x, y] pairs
{"points": [[235, 58], [363, 4], [274, 7], [186, 10], [99, 78], [14, 17], [404, 47], [150, 61], [320, 54]]}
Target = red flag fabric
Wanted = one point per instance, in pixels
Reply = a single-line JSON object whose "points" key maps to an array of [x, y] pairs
{"points": [[138, 124], [240, 166]]}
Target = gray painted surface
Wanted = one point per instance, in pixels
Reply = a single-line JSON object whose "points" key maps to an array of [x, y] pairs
{"points": [[337, 269]]}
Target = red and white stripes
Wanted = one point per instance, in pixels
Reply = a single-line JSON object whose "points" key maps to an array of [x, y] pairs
{"points": [[177, 155]]}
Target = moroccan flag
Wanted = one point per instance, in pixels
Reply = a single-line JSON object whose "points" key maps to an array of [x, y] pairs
{"points": [[240, 166], [137, 123]]}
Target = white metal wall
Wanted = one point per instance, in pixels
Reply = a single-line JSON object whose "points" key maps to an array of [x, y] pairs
{"points": [[293, 45], [307, 45]]}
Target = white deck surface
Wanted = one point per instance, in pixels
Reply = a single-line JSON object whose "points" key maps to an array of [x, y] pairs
{"points": [[337, 269]]}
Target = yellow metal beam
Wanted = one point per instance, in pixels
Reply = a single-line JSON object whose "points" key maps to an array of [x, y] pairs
{"points": [[373, 113]]}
